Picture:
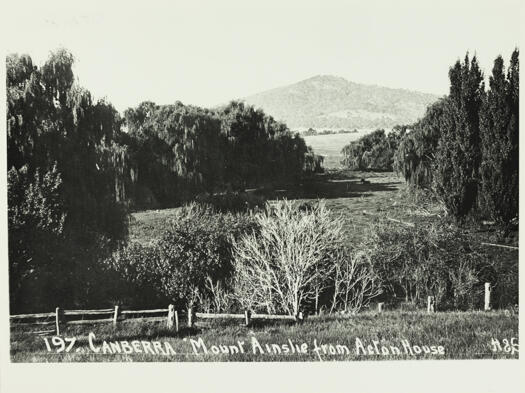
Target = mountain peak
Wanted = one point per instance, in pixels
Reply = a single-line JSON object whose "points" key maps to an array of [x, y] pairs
{"points": [[326, 78], [328, 101]]}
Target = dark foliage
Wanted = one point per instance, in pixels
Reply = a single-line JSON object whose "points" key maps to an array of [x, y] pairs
{"points": [[433, 260], [499, 128], [466, 147], [417, 148], [73, 172], [235, 202], [194, 251], [180, 151], [374, 151], [456, 165], [65, 184], [313, 163]]}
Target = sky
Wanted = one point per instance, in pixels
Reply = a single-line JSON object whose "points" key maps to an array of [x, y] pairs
{"points": [[209, 52]]}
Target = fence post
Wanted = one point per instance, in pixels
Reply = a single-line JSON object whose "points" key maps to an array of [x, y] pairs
{"points": [[190, 317], [299, 317], [380, 307], [171, 316], [431, 304], [488, 290], [57, 320], [247, 317], [115, 316], [176, 314]]}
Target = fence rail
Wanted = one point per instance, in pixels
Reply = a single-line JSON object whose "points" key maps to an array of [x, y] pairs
{"points": [[144, 311], [171, 316], [88, 312], [27, 316], [218, 316], [115, 316]]}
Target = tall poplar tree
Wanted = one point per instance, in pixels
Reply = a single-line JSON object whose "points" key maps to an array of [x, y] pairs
{"points": [[458, 156], [499, 127]]}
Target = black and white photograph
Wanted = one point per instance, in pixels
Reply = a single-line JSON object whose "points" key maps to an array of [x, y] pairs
{"points": [[249, 182]]}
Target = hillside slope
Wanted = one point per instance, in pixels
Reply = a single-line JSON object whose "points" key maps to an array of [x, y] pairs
{"points": [[333, 103]]}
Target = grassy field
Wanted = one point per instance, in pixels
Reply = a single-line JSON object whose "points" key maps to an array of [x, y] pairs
{"points": [[367, 336], [330, 146], [385, 195], [359, 204]]}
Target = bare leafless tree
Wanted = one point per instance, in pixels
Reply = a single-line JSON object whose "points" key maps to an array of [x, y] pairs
{"points": [[355, 282], [285, 263]]}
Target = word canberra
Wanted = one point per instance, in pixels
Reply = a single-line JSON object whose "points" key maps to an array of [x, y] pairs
{"points": [[135, 346]]}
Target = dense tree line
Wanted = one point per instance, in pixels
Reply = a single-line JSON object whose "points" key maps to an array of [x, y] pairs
{"points": [[75, 166], [313, 132], [374, 151], [180, 151], [64, 180], [465, 148]]}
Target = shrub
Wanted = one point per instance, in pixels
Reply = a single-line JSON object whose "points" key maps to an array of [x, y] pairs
{"points": [[506, 286], [289, 260], [232, 201], [355, 282], [430, 260], [36, 220], [191, 262], [134, 271]]}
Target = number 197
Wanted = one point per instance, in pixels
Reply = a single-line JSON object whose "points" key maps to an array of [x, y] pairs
{"points": [[60, 344]]}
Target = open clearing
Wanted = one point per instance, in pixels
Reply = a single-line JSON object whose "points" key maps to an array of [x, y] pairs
{"points": [[343, 192], [330, 146], [384, 195]]}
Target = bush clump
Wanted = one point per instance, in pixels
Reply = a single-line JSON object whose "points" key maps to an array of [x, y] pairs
{"points": [[298, 260], [192, 258], [374, 151], [430, 260], [234, 202]]}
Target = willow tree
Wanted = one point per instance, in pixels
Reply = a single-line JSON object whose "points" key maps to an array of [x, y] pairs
{"points": [[57, 134], [180, 150], [177, 149], [247, 138], [415, 154], [286, 155], [373, 151], [197, 147]]}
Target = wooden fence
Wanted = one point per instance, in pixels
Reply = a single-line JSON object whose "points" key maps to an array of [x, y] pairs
{"points": [[431, 301], [60, 318]]}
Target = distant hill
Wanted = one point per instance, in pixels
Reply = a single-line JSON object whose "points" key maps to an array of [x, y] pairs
{"points": [[330, 102]]}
